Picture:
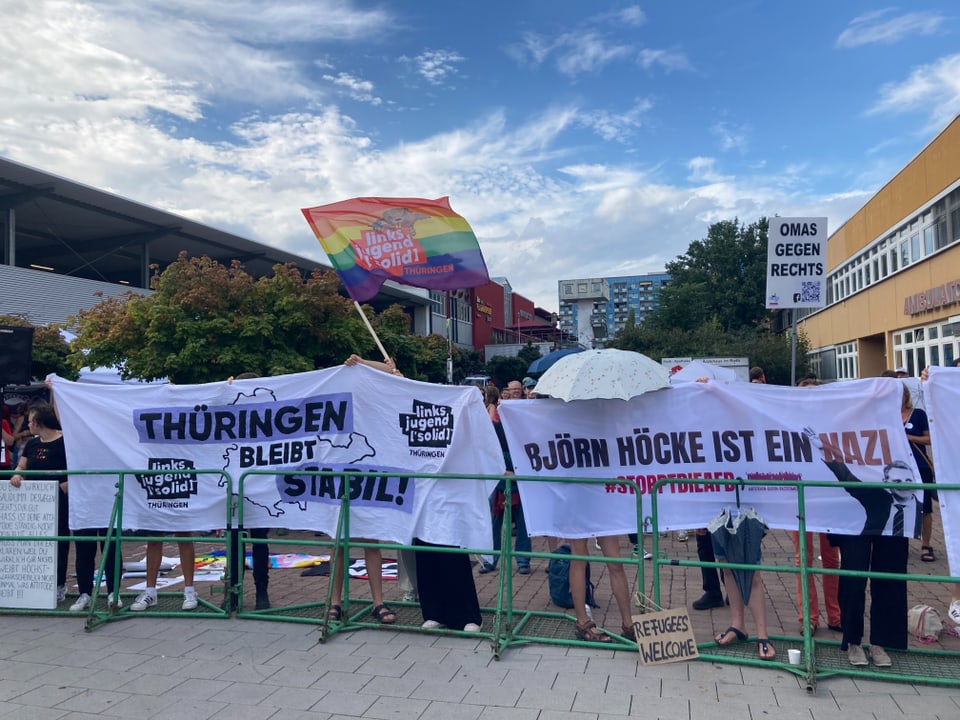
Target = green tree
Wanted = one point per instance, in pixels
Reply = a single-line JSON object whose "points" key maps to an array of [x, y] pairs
{"points": [[722, 276], [504, 368], [50, 350], [206, 321]]}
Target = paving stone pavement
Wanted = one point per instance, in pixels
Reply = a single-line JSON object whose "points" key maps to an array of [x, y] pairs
{"points": [[198, 668], [202, 667]]}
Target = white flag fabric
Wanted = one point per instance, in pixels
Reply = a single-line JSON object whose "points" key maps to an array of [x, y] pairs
{"points": [[942, 395], [718, 432], [339, 419]]}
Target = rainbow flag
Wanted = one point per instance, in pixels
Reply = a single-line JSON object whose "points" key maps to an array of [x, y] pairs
{"points": [[413, 241]]}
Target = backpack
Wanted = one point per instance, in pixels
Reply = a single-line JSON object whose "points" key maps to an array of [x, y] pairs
{"points": [[559, 580], [924, 623]]}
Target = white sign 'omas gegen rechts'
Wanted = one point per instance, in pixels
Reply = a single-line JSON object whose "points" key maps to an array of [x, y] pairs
{"points": [[796, 262]]}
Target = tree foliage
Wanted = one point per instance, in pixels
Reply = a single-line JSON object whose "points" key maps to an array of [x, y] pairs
{"points": [[503, 368], [714, 306], [50, 350], [206, 322], [721, 277]]}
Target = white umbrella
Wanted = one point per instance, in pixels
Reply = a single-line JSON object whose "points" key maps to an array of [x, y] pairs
{"points": [[697, 369], [603, 374]]}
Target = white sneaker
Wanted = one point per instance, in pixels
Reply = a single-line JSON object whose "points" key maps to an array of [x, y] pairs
{"points": [[61, 593], [115, 601], [82, 603], [431, 625], [954, 611], [471, 627], [682, 536], [143, 602], [411, 597], [189, 600], [647, 555]]}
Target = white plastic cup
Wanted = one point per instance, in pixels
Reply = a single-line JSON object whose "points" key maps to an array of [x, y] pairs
{"points": [[794, 656]]}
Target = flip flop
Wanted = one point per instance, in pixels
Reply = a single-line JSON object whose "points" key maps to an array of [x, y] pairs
{"points": [[765, 649], [738, 636]]}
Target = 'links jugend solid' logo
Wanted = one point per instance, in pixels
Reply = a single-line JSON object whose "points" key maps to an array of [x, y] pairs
{"points": [[428, 426]]}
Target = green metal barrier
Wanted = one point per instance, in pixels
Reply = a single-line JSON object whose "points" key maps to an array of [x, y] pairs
{"points": [[505, 624], [820, 658]]}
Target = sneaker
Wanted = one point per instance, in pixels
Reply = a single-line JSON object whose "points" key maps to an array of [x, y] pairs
{"points": [[189, 600], [144, 601], [487, 568], [61, 593], [523, 569], [431, 625], [879, 656], [411, 597], [82, 603], [114, 602], [471, 627], [647, 555], [682, 536], [635, 552], [857, 656], [954, 612]]}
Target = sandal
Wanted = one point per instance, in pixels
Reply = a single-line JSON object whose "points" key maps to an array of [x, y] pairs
{"points": [[765, 649], [334, 613], [628, 632], [589, 631], [926, 554], [738, 636], [384, 614]]}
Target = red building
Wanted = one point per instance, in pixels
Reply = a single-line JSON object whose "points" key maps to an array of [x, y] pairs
{"points": [[502, 317]]}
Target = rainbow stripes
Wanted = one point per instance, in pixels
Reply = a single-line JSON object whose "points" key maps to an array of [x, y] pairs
{"points": [[413, 241]]}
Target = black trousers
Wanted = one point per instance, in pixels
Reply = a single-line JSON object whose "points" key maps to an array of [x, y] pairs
{"points": [[85, 554], [888, 603], [711, 579], [260, 552], [448, 594], [63, 530]]}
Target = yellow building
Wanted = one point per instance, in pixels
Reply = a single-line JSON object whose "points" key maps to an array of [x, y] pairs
{"points": [[893, 288]]}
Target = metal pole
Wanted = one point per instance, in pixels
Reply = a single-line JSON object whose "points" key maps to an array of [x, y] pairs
{"points": [[793, 348]]}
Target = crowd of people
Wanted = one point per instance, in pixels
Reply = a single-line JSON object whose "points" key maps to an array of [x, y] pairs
{"points": [[443, 583]]}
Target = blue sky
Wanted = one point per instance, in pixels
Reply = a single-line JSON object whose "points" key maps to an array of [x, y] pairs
{"points": [[578, 138]]}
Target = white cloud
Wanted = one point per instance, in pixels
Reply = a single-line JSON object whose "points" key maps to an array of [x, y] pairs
{"points": [[436, 66], [880, 27], [357, 89], [933, 89], [617, 126], [587, 52], [668, 60], [631, 16], [731, 137]]}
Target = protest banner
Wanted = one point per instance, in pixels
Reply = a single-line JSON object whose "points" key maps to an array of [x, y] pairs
{"points": [[340, 419], [942, 395], [714, 432]]}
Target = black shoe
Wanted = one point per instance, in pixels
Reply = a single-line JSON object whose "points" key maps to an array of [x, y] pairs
{"points": [[263, 601], [523, 569], [708, 601]]}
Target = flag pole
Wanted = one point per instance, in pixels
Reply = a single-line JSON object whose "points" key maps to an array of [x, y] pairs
{"points": [[366, 322]]}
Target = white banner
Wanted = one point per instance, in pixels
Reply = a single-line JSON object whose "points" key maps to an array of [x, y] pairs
{"points": [[942, 395], [340, 419], [718, 432]]}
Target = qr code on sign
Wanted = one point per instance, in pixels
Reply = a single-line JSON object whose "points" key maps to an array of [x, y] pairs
{"points": [[810, 292]]}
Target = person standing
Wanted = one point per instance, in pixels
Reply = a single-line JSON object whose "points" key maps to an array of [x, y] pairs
{"points": [[46, 451]]}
